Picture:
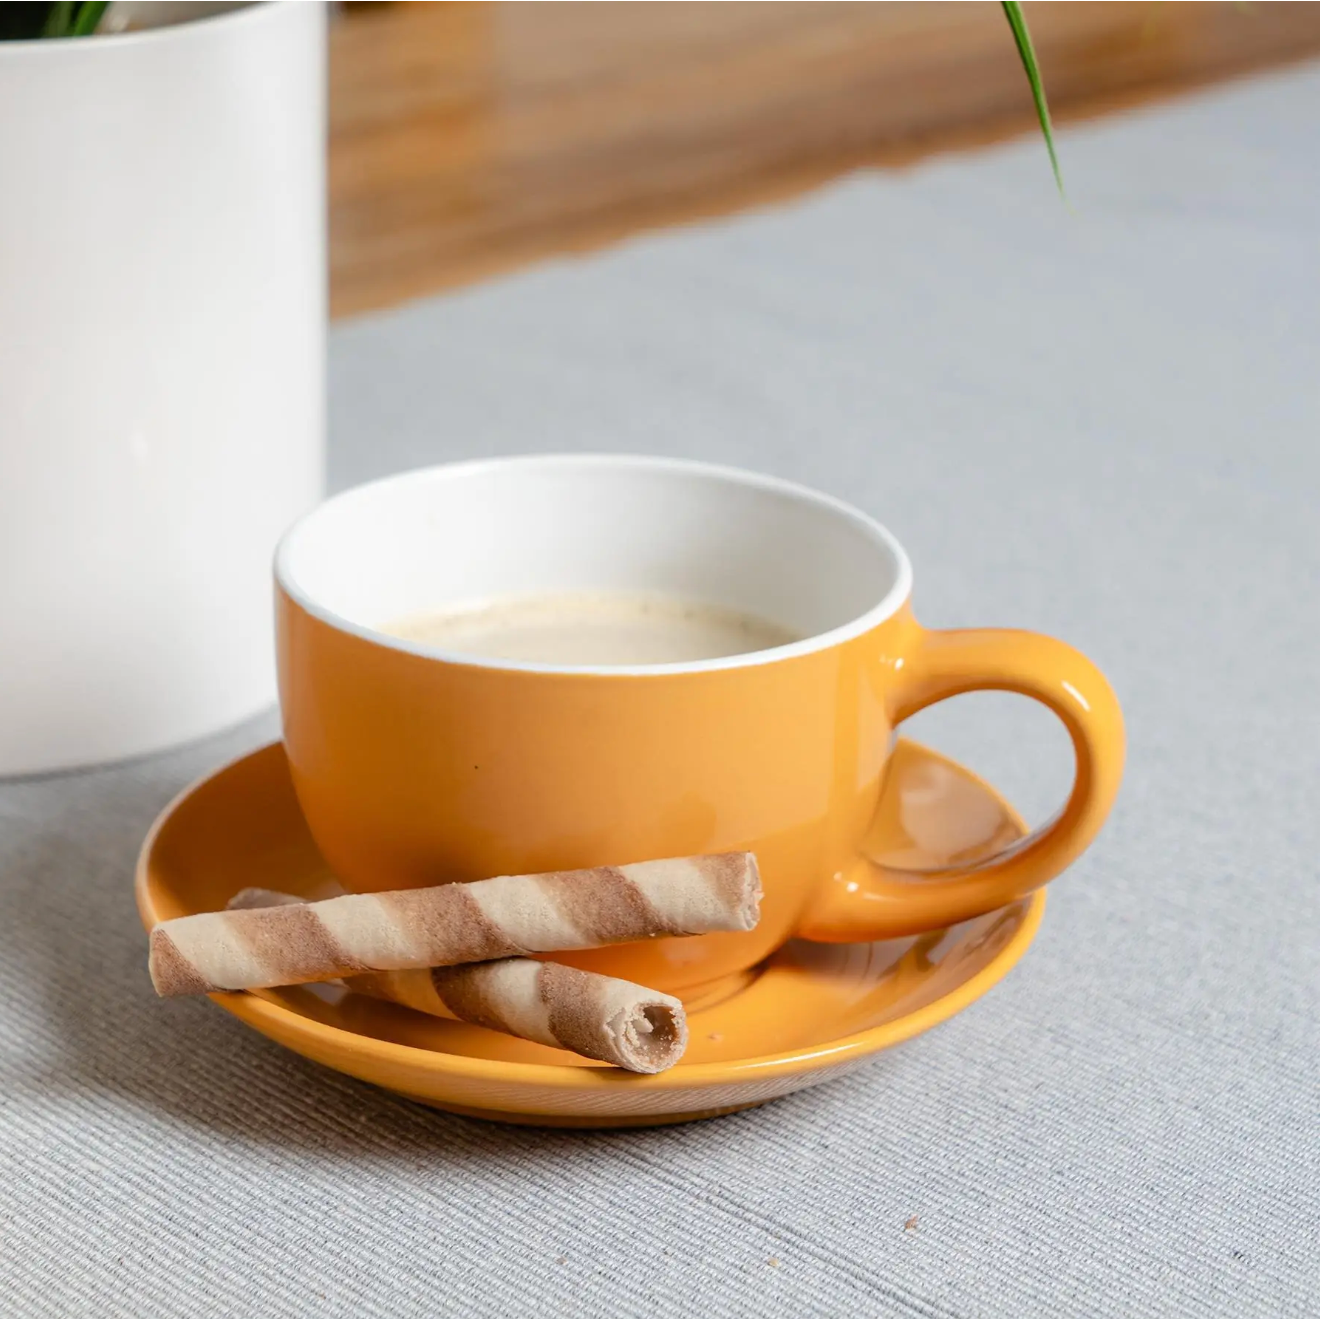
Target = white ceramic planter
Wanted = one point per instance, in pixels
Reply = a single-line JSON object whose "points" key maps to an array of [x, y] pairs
{"points": [[162, 330]]}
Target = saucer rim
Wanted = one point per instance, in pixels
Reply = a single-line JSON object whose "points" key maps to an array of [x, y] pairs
{"points": [[286, 1025]]}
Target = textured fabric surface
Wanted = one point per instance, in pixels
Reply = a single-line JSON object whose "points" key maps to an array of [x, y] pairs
{"points": [[1100, 422]]}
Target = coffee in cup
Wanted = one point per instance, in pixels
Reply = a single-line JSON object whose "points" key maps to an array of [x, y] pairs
{"points": [[593, 628]]}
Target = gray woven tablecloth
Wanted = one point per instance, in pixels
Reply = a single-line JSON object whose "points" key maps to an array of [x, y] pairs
{"points": [[1102, 422]]}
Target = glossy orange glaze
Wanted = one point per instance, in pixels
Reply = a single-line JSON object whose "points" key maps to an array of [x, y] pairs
{"points": [[869, 899], [811, 1012], [414, 770]]}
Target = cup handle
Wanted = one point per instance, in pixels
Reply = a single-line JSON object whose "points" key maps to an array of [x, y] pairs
{"points": [[867, 901]]}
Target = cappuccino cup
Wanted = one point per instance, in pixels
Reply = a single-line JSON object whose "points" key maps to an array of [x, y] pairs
{"points": [[540, 663]]}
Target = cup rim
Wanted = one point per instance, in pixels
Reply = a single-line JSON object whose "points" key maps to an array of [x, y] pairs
{"points": [[882, 610]]}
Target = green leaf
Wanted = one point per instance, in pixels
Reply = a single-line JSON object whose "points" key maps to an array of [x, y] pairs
{"points": [[88, 16], [59, 19], [1027, 53], [21, 20]]}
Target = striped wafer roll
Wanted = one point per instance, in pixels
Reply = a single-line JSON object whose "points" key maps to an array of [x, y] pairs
{"points": [[596, 1016], [451, 924]]}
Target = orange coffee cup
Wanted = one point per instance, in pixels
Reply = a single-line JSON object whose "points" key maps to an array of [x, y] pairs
{"points": [[417, 766]]}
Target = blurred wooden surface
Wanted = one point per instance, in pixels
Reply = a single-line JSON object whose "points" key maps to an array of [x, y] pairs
{"points": [[469, 138]]}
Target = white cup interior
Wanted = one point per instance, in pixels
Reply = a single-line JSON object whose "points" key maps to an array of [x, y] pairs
{"points": [[469, 533]]}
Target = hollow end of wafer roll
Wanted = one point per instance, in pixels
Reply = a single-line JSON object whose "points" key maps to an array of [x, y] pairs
{"points": [[647, 1037]]}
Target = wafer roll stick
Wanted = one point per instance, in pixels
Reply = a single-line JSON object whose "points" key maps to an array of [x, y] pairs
{"points": [[596, 1016], [451, 924]]}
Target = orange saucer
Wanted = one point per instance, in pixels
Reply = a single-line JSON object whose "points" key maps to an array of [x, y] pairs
{"points": [[811, 1012]]}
